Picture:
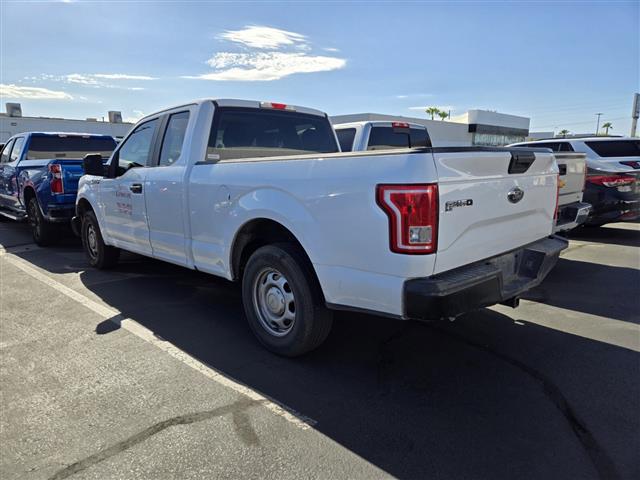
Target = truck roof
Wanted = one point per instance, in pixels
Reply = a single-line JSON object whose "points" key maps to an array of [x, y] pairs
{"points": [[380, 123], [233, 102], [63, 134]]}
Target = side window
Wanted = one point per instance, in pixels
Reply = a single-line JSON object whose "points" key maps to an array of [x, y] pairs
{"points": [[6, 151], [552, 145], [17, 148], [136, 149], [565, 147], [173, 138], [345, 138]]}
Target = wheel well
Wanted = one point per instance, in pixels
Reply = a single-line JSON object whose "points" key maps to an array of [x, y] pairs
{"points": [[28, 194], [83, 206], [255, 234]]}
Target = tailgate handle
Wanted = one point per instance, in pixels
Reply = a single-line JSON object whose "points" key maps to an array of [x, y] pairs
{"points": [[562, 169], [521, 161]]}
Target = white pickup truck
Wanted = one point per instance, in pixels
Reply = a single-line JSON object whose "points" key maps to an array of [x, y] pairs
{"points": [[259, 192]]}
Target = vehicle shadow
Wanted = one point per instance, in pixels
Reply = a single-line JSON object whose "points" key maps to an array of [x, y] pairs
{"points": [[596, 289], [609, 235]]}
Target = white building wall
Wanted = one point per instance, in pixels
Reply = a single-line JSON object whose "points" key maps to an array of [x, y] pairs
{"points": [[10, 126]]}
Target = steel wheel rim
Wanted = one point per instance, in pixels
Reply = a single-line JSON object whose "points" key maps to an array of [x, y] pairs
{"points": [[274, 302], [92, 241]]}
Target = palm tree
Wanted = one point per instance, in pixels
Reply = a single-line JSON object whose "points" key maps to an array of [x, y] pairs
{"points": [[564, 132], [606, 127], [433, 111], [442, 114]]}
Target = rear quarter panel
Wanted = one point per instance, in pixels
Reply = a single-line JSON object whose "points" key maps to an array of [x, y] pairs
{"points": [[328, 204]]}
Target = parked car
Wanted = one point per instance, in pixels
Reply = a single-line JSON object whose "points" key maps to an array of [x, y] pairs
{"points": [[39, 175], [381, 135], [613, 174], [376, 135], [259, 192]]}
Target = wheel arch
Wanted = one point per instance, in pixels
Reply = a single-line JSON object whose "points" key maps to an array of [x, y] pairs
{"points": [[260, 232]]}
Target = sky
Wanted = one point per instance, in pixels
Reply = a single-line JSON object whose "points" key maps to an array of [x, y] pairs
{"points": [[558, 63]]}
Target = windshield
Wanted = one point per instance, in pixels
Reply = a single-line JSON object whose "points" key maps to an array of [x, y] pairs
{"points": [[76, 147], [250, 132], [615, 148]]}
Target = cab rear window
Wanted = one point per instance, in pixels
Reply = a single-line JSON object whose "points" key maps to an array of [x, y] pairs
{"points": [[68, 146], [384, 138], [249, 133], [615, 148]]}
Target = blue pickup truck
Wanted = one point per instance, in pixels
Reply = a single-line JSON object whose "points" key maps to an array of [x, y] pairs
{"points": [[39, 173]]}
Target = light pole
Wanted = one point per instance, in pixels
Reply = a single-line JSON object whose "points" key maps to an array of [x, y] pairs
{"points": [[598, 123]]}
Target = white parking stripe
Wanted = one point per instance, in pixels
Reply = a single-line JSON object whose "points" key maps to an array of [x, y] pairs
{"points": [[147, 335]]}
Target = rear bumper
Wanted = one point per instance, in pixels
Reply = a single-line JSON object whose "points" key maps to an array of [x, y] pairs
{"points": [[495, 280], [572, 215], [610, 205], [60, 214]]}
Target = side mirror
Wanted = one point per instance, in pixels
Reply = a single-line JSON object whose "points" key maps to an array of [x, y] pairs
{"points": [[92, 165]]}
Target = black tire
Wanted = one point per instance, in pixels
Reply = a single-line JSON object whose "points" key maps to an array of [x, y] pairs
{"points": [[44, 233], [98, 254], [284, 274]]}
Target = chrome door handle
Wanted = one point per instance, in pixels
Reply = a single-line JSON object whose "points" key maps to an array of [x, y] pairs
{"points": [[136, 188]]}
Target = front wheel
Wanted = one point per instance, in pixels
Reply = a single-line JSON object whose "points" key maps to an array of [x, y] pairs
{"points": [[98, 254], [44, 233], [282, 301]]}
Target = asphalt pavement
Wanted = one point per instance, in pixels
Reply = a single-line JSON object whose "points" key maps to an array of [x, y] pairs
{"points": [[150, 371]]}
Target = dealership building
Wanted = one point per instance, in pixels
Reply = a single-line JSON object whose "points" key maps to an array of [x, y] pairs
{"points": [[476, 127], [12, 122]]}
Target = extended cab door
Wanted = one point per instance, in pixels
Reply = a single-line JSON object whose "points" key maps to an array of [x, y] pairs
{"points": [[122, 193], [165, 189]]}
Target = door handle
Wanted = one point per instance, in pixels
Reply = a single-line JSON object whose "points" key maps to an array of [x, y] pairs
{"points": [[135, 187]]}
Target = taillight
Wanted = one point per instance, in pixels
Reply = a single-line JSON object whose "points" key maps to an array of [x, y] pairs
{"points": [[611, 180], [55, 183], [277, 106], [413, 217]]}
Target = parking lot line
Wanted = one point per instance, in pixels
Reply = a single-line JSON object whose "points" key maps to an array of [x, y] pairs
{"points": [[299, 420]]}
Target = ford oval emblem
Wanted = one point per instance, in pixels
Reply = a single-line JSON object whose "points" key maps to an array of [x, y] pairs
{"points": [[515, 195]]}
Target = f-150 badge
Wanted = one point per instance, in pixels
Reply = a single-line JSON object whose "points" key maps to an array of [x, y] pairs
{"points": [[457, 203]]}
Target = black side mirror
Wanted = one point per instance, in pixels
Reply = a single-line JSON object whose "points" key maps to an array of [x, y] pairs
{"points": [[92, 165]]}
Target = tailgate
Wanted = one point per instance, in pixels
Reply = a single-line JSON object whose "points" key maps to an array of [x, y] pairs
{"points": [[572, 167], [492, 200]]}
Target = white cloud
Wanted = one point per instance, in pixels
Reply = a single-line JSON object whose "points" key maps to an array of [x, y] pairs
{"points": [[269, 54], [331, 49], [266, 66], [81, 79], [122, 76], [263, 37], [34, 93]]}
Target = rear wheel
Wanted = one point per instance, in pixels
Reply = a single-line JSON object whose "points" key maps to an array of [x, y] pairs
{"points": [[282, 301], [98, 254], [44, 233]]}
